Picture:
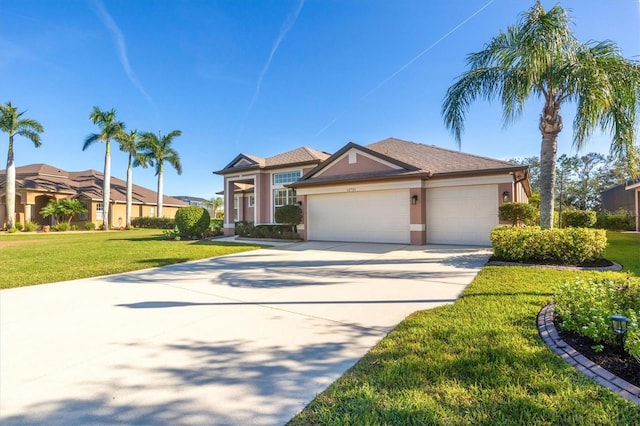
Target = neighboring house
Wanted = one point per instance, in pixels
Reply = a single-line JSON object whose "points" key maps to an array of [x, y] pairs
{"points": [[392, 191], [617, 198], [635, 190], [37, 184]]}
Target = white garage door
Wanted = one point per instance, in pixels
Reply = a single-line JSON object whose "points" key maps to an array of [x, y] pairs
{"points": [[372, 216], [461, 214]]}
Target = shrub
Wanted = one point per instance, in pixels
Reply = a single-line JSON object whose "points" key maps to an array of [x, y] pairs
{"points": [[216, 223], [621, 220], [584, 307], [578, 218], [571, 245], [153, 222], [19, 226], [89, 226], [62, 226], [31, 227], [12, 230], [516, 213], [289, 215], [192, 221]]}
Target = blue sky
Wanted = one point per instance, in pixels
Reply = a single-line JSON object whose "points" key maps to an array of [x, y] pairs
{"points": [[265, 76]]}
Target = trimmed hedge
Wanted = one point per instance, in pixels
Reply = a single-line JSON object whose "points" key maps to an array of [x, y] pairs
{"points": [[192, 221], [517, 212], [153, 222], [280, 232], [621, 220], [570, 245], [578, 218], [289, 215]]}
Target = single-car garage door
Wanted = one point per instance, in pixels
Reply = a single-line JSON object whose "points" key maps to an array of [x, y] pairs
{"points": [[461, 214], [372, 216]]}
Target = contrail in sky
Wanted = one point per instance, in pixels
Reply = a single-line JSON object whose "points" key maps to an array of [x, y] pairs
{"points": [[288, 24], [121, 46], [402, 68]]}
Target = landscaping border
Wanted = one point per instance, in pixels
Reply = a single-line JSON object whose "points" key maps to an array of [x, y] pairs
{"points": [[614, 267], [549, 334]]}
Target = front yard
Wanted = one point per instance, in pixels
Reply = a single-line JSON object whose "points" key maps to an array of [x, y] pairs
{"points": [[30, 258], [478, 361]]}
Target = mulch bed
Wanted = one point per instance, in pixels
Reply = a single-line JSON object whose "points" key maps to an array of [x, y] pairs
{"points": [[598, 263], [612, 359]]}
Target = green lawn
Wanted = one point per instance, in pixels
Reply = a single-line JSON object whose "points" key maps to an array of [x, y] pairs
{"points": [[29, 259], [477, 361]]}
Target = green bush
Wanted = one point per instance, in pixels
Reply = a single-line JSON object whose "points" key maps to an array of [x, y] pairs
{"points": [[571, 245], [216, 223], [61, 227], [621, 220], [19, 226], [192, 221], [584, 307], [516, 213], [282, 232], [12, 230], [89, 226], [289, 215], [153, 222], [578, 218], [31, 227]]}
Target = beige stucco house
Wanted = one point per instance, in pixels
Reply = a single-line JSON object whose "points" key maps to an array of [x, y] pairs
{"points": [[36, 184], [392, 191]]}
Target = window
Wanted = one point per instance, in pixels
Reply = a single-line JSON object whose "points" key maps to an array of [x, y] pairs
{"points": [[99, 211], [286, 177], [236, 210], [282, 197], [251, 201]]}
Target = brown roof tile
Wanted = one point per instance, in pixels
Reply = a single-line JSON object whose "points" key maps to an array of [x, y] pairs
{"points": [[436, 160], [296, 156]]}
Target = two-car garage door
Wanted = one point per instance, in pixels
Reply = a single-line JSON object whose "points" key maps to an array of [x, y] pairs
{"points": [[454, 215], [371, 216]]}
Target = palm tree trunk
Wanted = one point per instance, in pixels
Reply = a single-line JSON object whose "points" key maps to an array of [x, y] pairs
{"points": [[106, 186], [129, 193], [10, 190], [160, 193], [550, 126]]}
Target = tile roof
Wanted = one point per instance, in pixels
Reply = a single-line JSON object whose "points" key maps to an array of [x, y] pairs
{"points": [[436, 160], [88, 183], [300, 155]]}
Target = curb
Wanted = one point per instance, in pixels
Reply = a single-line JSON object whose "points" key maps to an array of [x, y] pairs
{"points": [[550, 335]]}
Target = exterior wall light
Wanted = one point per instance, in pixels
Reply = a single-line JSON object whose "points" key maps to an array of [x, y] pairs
{"points": [[505, 196], [619, 325], [414, 199], [299, 203]]}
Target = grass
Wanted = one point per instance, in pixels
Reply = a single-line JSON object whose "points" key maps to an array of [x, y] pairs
{"points": [[477, 361], [624, 248], [29, 259]]}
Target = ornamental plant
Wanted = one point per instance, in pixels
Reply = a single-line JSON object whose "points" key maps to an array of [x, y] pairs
{"points": [[579, 218], [570, 246], [192, 221], [584, 307], [517, 213]]}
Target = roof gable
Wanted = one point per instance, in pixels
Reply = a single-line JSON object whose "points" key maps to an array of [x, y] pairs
{"points": [[302, 155]]}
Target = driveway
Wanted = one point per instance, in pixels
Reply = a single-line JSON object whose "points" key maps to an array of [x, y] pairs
{"points": [[242, 339]]}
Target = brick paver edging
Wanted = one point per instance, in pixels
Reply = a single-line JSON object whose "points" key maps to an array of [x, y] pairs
{"points": [[550, 335]]}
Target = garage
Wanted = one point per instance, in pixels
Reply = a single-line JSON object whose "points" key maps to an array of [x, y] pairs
{"points": [[461, 214], [368, 216]]}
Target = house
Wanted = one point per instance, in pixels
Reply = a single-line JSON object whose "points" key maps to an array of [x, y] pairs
{"points": [[37, 184], [617, 197], [635, 188], [392, 191]]}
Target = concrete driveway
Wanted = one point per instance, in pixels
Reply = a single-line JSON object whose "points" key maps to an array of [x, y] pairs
{"points": [[242, 339]]}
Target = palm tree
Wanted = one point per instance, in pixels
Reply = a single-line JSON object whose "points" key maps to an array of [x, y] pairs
{"points": [[11, 122], [110, 129], [156, 149], [541, 57], [129, 143]]}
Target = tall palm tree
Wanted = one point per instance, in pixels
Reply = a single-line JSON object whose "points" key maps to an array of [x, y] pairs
{"points": [[11, 122], [156, 149], [541, 57], [129, 143], [109, 129]]}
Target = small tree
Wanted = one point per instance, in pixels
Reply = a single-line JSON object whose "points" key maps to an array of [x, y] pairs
{"points": [[192, 221], [515, 213], [63, 210], [289, 215]]}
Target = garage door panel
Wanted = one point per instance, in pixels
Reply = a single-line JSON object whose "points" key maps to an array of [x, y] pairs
{"points": [[461, 215], [372, 216]]}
